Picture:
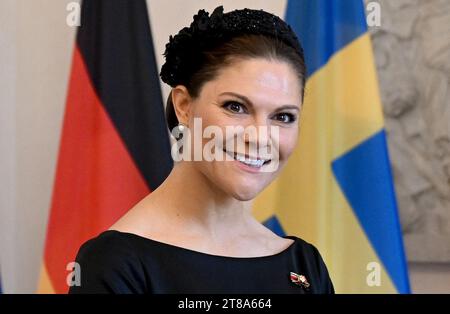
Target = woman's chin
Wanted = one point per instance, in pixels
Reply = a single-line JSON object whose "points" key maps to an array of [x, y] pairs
{"points": [[244, 196], [246, 187], [245, 193]]}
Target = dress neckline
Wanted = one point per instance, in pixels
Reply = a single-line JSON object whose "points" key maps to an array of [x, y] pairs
{"points": [[149, 240]]}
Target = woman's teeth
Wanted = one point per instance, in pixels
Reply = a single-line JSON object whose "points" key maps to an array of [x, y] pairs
{"points": [[257, 163], [250, 162]]}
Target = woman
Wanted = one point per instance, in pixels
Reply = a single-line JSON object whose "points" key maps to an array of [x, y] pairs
{"points": [[195, 233]]}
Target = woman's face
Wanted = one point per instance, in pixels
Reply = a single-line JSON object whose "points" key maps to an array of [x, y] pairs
{"points": [[272, 91]]}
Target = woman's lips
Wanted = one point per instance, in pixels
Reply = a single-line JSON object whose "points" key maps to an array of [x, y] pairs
{"points": [[249, 163]]}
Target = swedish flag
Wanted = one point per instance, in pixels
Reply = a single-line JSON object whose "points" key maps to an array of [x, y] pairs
{"points": [[337, 190]]}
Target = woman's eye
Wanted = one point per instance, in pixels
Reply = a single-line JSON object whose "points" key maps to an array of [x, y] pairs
{"points": [[234, 106], [286, 117]]}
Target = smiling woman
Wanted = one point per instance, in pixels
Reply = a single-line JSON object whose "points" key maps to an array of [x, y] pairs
{"points": [[195, 233], [268, 85]]}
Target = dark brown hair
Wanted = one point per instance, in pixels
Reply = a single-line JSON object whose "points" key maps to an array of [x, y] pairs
{"points": [[239, 48]]}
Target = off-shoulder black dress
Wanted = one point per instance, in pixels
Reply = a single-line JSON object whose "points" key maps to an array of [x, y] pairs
{"points": [[121, 262]]}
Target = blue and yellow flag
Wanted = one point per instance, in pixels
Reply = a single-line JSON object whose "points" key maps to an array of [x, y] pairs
{"points": [[337, 190]]}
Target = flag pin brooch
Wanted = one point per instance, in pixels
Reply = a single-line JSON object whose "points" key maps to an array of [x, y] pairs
{"points": [[299, 280]]}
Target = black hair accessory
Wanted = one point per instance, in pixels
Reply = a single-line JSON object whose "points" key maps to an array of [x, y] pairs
{"points": [[183, 51]]}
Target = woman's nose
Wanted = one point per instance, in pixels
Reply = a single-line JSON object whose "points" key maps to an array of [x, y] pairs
{"points": [[258, 134]]}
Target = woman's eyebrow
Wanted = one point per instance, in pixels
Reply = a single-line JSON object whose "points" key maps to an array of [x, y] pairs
{"points": [[244, 98]]}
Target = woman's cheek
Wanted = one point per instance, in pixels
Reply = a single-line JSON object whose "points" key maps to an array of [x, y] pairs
{"points": [[288, 142]]}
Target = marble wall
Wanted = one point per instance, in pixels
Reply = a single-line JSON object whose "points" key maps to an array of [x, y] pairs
{"points": [[412, 52]]}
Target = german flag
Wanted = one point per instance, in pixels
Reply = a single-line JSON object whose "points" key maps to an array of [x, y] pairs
{"points": [[115, 145]]}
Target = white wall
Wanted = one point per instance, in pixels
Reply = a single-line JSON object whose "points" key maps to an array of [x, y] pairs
{"points": [[35, 53]]}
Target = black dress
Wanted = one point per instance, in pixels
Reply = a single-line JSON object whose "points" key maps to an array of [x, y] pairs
{"points": [[121, 262]]}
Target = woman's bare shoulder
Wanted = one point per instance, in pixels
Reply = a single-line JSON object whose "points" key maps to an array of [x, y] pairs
{"points": [[140, 219], [269, 239]]}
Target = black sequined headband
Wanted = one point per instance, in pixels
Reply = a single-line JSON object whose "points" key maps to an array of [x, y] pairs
{"points": [[205, 32]]}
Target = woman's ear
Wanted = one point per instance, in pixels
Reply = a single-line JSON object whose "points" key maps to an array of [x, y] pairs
{"points": [[181, 100]]}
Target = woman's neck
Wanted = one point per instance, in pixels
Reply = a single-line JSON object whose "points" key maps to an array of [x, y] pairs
{"points": [[194, 202]]}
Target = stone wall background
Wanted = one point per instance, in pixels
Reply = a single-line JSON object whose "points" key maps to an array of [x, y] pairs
{"points": [[412, 52]]}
